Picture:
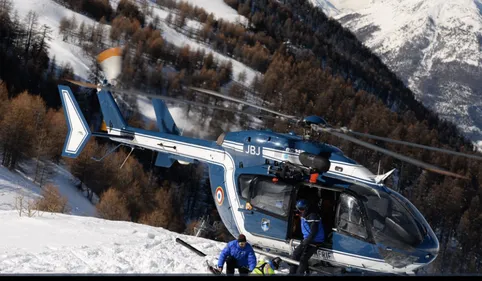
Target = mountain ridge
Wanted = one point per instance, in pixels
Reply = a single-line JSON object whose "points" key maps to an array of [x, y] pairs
{"points": [[433, 46]]}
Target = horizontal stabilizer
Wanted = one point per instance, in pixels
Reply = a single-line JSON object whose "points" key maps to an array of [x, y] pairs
{"points": [[163, 160], [182, 160], [166, 160], [78, 130]]}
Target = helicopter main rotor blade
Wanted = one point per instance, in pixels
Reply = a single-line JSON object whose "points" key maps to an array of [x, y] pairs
{"points": [[83, 84], [407, 159], [165, 98], [176, 100], [413, 144], [216, 94]]}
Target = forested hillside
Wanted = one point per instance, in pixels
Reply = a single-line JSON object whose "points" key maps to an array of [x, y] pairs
{"points": [[309, 64]]}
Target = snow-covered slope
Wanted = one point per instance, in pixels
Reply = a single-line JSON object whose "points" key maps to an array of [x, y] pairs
{"points": [[434, 46], [56, 243], [14, 185], [327, 6], [50, 13], [180, 40], [219, 9]]}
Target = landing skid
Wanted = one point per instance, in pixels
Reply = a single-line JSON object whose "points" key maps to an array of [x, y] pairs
{"points": [[335, 270], [326, 267]]}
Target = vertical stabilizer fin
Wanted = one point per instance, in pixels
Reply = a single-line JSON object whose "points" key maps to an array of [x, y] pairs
{"points": [[165, 122], [78, 130], [110, 110]]}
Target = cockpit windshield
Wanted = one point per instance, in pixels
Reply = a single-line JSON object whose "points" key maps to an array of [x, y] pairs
{"points": [[392, 221]]}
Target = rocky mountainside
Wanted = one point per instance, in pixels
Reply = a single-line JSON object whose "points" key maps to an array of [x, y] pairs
{"points": [[434, 46]]}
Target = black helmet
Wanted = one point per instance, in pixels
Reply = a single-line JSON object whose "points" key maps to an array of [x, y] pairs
{"points": [[276, 262]]}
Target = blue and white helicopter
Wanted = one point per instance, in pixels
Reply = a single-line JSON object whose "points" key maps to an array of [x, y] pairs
{"points": [[257, 176]]}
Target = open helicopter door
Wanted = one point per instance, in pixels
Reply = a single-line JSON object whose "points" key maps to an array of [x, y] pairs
{"points": [[267, 205]]}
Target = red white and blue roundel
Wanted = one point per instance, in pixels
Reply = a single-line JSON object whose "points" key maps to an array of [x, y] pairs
{"points": [[219, 195]]}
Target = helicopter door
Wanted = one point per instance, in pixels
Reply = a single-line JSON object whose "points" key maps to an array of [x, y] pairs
{"points": [[349, 217], [270, 203], [350, 238]]}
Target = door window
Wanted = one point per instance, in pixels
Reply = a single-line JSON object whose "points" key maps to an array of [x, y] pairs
{"points": [[349, 217], [244, 184], [264, 194]]}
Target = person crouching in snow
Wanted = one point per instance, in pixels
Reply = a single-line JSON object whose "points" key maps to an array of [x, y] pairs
{"points": [[266, 268], [237, 254]]}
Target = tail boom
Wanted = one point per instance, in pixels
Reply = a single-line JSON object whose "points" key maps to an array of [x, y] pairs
{"points": [[173, 146]]}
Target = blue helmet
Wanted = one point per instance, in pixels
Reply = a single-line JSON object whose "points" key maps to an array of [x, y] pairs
{"points": [[302, 204]]}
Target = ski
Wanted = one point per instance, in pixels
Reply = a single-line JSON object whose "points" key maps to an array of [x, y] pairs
{"points": [[199, 253], [213, 269]]}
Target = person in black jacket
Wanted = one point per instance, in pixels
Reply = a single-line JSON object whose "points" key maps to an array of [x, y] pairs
{"points": [[313, 235]]}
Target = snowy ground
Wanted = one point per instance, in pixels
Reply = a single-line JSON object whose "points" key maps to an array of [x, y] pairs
{"points": [[70, 244], [57, 243], [79, 243], [19, 183], [12, 186]]}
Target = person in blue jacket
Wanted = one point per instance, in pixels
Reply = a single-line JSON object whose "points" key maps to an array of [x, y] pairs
{"points": [[237, 254], [313, 235]]}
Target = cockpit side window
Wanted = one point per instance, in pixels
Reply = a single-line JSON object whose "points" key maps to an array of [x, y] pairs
{"points": [[244, 184], [266, 195], [349, 217], [392, 219]]}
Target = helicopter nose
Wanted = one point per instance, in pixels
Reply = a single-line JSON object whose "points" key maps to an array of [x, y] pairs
{"points": [[430, 247], [429, 257], [428, 252]]}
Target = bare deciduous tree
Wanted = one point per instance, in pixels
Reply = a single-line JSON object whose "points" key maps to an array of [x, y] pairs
{"points": [[113, 206], [52, 201], [19, 129]]}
